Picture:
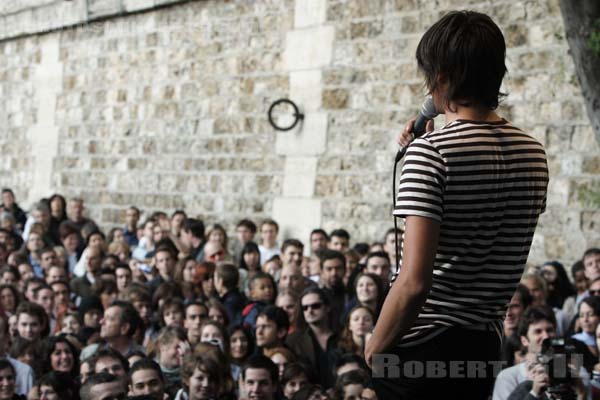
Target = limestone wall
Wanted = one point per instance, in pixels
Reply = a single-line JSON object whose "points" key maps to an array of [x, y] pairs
{"points": [[166, 108]]}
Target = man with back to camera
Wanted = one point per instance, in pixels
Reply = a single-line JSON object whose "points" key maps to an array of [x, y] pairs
{"points": [[471, 194]]}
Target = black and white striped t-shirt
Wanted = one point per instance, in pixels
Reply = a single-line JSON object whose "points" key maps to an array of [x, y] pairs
{"points": [[485, 182]]}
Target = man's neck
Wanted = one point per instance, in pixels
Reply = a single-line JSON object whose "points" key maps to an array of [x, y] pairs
{"points": [[470, 113], [320, 328], [196, 242], [269, 244], [120, 343]]}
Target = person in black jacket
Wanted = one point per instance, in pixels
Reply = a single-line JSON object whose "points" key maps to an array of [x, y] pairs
{"points": [[226, 284], [9, 205]]}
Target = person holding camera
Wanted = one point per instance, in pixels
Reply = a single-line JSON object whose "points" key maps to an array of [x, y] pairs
{"points": [[530, 379]]}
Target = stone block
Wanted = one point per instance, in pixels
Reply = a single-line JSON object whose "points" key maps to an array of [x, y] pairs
{"points": [[307, 139], [297, 217], [299, 176], [309, 13], [305, 89], [308, 48]]}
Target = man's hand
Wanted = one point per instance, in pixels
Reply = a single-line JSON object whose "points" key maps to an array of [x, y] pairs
{"points": [[540, 379], [406, 136]]}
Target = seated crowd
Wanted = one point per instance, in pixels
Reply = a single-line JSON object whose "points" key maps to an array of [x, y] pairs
{"points": [[167, 308]]}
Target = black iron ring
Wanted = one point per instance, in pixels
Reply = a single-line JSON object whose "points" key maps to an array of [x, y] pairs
{"points": [[297, 115]]}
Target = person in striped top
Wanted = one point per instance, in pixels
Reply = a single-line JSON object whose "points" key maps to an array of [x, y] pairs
{"points": [[471, 194]]}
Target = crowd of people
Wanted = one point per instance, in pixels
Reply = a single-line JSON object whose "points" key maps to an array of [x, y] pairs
{"points": [[164, 307]]}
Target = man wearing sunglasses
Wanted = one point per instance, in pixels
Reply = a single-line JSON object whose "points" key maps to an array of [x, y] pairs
{"points": [[317, 342]]}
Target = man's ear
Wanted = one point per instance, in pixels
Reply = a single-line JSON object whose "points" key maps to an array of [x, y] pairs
{"points": [[524, 341], [124, 329]]}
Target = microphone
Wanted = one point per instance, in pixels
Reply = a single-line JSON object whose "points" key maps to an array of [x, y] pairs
{"points": [[428, 112]]}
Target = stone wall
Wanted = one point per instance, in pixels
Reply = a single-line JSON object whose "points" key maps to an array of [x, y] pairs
{"points": [[166, 109]]}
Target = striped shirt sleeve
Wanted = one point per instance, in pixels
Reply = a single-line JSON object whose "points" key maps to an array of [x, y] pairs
{"points": [[422, 182]]}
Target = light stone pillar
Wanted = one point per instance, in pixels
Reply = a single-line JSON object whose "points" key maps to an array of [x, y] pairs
{"points": [[308, 49], [43, 136]]}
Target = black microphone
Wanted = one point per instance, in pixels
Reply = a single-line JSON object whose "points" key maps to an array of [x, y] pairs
{"points": [[428, 112]]}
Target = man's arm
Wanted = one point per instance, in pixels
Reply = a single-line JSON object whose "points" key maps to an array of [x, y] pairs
{"points": [[410, 290]]}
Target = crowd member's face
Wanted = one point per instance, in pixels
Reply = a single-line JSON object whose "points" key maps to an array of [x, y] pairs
{"points": [[84, 371], [217, 236], [380, 267], [581, 282], [92, 318], [332, 273], [536, 291], [157, 234], [291, 278], [258, 384], [211, 333], [123, 277], [173, 317], [47, 392], [244, 235], [281, 362], [215, 314], [201, 387], [70, 325], [360, 322], [8, 300], [353, 391], [70, 242], [549, 273], [389, 246], [177, 221], [147, 382], [513, 313], [268, 233], [165, 264], [149, 230], [8, 199], [366, 289], [313, 308], [190, 272], [536, 334], [293, 385], [45, 298], [252, 259], [34, 242], [56, 274], [7, 384], [292, 256], [110, 324], [262, 290], [595, 288], [169, 354], [61, 358], [239, 345], [144, 310], [267, 334], [110, 365], [131, 218], [48, 259], [30, 293], [194, 316], [591, 266], [29, 326], [26, 271], [587, 319], [339, 243], [94, 261], [318, 241], [288, 304], [75, 210]]}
